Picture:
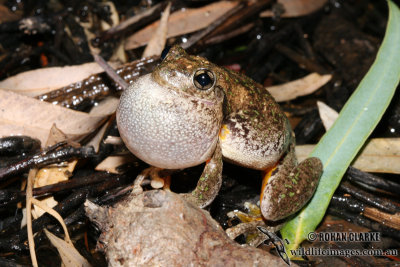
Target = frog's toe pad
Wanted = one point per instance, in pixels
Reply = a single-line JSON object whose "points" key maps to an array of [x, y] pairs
{"points": [[287, 194]]}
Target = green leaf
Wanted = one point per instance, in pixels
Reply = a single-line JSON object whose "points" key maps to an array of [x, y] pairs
{"points": [[356, 121]]}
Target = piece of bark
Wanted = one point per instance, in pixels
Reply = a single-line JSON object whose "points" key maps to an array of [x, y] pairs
{"points": [[159, 228]]}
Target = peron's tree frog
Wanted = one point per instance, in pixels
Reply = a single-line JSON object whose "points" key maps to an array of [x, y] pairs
{"points": [[190, 111]]}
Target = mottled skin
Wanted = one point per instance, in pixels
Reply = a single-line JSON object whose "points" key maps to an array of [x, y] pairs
{"points": [[169, 122]]}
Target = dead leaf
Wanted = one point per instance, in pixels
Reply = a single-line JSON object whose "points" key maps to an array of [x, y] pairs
{"points": [[113, 140], [328, 115], [378, 155], [106, 106], [119, 52], [6, 15], [181, 22], [111, 163], [69, 255], [40, 81], [22, 115], [300, 87], [159, 38], [55, 136], [52, 174], [297, 8], [97, 139]]}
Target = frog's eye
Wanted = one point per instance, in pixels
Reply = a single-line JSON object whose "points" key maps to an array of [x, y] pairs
{"points": [[165, 51], [203, 79]]}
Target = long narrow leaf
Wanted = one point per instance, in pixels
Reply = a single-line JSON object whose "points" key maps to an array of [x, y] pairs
{"points": [[356, 121]]}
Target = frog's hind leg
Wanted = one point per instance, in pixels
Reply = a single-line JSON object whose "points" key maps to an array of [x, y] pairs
{"points": [[287, 187], [209, 183], [207, 187]]}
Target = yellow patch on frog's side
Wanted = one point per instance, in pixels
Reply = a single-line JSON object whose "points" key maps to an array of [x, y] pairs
{"points": [[266, 175], [223, 133]]}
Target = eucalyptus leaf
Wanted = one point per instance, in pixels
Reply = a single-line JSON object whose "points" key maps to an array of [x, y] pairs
{"points": [[339, 146]]}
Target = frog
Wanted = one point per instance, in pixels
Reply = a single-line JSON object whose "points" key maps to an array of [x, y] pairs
{"points": [[189, 111]]}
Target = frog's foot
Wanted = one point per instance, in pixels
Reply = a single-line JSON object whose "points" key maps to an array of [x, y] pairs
{"points": [[249, 223], [209, 183], [289, 188]]}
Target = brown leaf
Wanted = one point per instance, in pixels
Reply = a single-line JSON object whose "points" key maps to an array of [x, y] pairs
{"points": [[300, 87], [40, 81], [6, 15], [22, 115], [296, 8], [182, 22]]}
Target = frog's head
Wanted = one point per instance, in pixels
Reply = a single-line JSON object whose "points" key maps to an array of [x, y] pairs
{"points": [[171, 118], [188, 74]]}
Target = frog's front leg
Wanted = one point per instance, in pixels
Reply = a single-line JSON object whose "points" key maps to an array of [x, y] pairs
{"points": [[287, 187], [210, 181]]}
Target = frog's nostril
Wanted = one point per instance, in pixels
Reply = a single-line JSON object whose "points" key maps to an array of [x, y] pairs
{"points": [[203, 79]]}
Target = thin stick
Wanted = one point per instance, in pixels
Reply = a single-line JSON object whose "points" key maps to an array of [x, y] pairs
{"points": [[391, 220], [29, 197], [110, 72]]}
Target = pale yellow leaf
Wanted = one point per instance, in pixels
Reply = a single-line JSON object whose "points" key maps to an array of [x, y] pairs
{"points": [[328, 115], [52, 174], [379, 155], [181, 22], [111, 163], [300, 87], [114, 140], [68, 253]]}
